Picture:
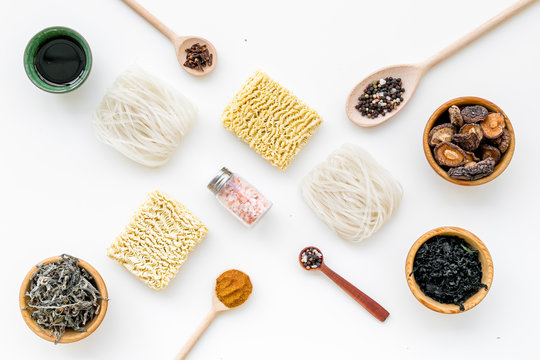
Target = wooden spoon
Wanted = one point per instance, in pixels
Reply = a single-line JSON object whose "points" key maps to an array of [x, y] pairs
{"points": [[180, 43], [217, 308], [240, 290], [412, 74], [368, 303]]}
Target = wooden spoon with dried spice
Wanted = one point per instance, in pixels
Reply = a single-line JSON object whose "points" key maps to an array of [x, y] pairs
{"points": [[196, 55], [311, 258], [382, 95], [233, 288]]}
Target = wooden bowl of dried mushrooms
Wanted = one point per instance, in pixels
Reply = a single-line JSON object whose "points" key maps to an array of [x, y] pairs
{"points": [[63, 299], [469, 141]]}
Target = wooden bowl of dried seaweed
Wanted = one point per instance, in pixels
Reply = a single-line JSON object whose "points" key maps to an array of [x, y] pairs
{"points": [[449, 270], [469, 141], [63, 299]]}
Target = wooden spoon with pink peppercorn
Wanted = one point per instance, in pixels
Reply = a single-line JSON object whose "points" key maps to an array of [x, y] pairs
{"points": [[311, 258], [412, 74]]}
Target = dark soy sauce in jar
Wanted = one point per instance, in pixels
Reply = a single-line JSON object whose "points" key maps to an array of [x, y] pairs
{"points": [[60, 61]]}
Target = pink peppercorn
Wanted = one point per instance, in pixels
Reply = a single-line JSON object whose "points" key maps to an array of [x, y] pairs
{"points": [[239, 197]]}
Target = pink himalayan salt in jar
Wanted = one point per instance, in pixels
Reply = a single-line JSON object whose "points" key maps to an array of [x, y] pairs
{"points": [[239, 197]]}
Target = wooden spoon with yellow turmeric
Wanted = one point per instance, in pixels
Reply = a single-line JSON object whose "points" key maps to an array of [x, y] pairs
{"points": [[233, 288]]}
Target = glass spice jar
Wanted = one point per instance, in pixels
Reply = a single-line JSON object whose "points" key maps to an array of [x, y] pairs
{"points": [[239, 197]]}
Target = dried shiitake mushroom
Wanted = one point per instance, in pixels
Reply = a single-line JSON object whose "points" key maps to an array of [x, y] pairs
{"points": [[487, 151], [472, 128], [474, 114], [441, 133], [467, 141], [455, 116], [470, 142], [503, 141], [473, 170], [448, 154], [493, 126], [471, 156]]}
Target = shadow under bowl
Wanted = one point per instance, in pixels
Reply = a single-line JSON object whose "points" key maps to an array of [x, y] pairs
{"points": [[436, 119], [70, 335], [475, 244]]}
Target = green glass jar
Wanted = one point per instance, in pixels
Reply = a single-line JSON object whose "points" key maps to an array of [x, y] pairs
{"points": [[57, 59]]}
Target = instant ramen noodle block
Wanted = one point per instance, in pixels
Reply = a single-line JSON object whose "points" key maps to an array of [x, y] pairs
{"points": [[270, 119], [157, 240]]}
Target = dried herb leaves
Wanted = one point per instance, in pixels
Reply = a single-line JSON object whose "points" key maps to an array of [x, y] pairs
{"points": [[62, 296], [447, 270]]}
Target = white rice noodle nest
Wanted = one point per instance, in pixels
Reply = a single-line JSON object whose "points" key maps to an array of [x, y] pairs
{"points": [[352, 193], [143, 118]]}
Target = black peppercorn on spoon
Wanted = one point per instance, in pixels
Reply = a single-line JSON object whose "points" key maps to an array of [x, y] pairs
{"points": [[412, 74]]}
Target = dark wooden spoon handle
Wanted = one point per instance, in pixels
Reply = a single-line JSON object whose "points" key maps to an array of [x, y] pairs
{"points": [[368, 303]]}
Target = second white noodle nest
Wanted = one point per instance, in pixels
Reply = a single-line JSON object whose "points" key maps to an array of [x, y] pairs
{"points": [[352, 193], [143, 118]]}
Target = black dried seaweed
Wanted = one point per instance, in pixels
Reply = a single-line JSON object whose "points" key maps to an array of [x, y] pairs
{"points": [[447, 270], [467, 249], [62, 295]]}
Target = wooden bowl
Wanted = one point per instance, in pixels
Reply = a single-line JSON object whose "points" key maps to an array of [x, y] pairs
{"points": [[435, 120], [70, 335], [475, 244]]}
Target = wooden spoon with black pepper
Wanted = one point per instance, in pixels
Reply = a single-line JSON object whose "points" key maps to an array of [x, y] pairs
{"points": [[316, 262], [412, 74], [196, 55]]}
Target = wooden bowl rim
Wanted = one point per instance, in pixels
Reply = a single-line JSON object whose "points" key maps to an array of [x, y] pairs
{"points": [[461, 101], [70, 335], [484, 257]]}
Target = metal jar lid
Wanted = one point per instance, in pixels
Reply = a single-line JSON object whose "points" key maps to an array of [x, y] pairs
{"points": [[219, 181]]}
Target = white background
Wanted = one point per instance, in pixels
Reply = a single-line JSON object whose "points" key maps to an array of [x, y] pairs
{"points": [[62, 191]]}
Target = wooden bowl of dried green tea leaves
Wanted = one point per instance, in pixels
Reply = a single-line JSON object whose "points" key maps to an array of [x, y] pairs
{"points": [[63, 299]]}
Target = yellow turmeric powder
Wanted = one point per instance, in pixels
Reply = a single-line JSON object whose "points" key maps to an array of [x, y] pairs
{"points": [[233, 287]]}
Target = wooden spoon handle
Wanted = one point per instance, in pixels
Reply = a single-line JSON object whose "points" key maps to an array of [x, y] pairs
{"points": [[368, 303], [151, 19], [476, 33], [196, 335]]}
